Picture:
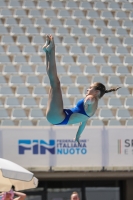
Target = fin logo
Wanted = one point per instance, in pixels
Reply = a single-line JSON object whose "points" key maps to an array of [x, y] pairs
{"points": [[36, 146]]}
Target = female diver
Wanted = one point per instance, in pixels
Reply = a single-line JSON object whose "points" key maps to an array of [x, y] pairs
{"points": [[10, 195], [84, 109]]}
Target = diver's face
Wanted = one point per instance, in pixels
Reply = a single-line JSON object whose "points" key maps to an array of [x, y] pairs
{"points": [[91, 91], [74, 197]]}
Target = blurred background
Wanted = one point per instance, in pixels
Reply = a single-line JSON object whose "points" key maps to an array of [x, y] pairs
{"points": [[94, 43]]}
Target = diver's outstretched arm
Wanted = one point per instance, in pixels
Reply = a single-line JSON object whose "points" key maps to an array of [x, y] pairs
{"points": [[80, 130]]}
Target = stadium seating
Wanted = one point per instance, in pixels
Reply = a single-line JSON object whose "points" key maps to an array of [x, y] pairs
{"points": [[93, 44]]}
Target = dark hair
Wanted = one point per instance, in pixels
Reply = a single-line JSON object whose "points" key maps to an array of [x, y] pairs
{"points": [[102, 88]]}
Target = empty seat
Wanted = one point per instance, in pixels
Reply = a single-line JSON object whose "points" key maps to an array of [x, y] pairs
{"points": [[32, 80], [101, 103], [3, 113], [36, 113], [35, 59], [83, 41], [2, 80], [70, 5], [15, 80], [106, 71], [43, 122], [74, 70], [48, 13], [42, 5], [128, 60], [75, 50], [105, 50], [114, 103], [18, 59], [73, 91], [91, 50], [55, 23], [99, 6], [127, 24], [4, 59], [91, 31], [67, 60], [31, 30], [2, 50], [128, 103], [60, 50], [113, 24], [25, 122], [127, 6], [7, 39], [114, 80], [85, 5], [16, 30], [40, 70], [78, 14], [90, 70], [5, 12], [122, 71], [96, 122], [105, 114], [13, 49], [113, 6], [28, 50], [67, 103], [39, 91], [99, 41], [34, 13], [43, 102], [25, 70], [66, 80], [105, 32], [129, 122], [12, 102], [99, 79], [25, 21], [46, 31], [113, 41], [28, 4], [106, 15], [67, 40], [57, 5], [91, 14], [131, 16], [3, 4], [39, 22], [61, 70], [22, 91], [63, 14], [19, 13], [37, 40], [98, 60], [3, 30], [45, 81], [122, 92], [123, 114], [114, 122], [10, 22], [14, 4], [22, 40], [98, 23], [128, 82], [6, 91], [114, 60], [84, 23], [76, 32], [120, 15], [121, 51], [120, 32], [7, 122], [82, 60], [18, 113], [29, 102], [9, 70], [82, 80]]}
